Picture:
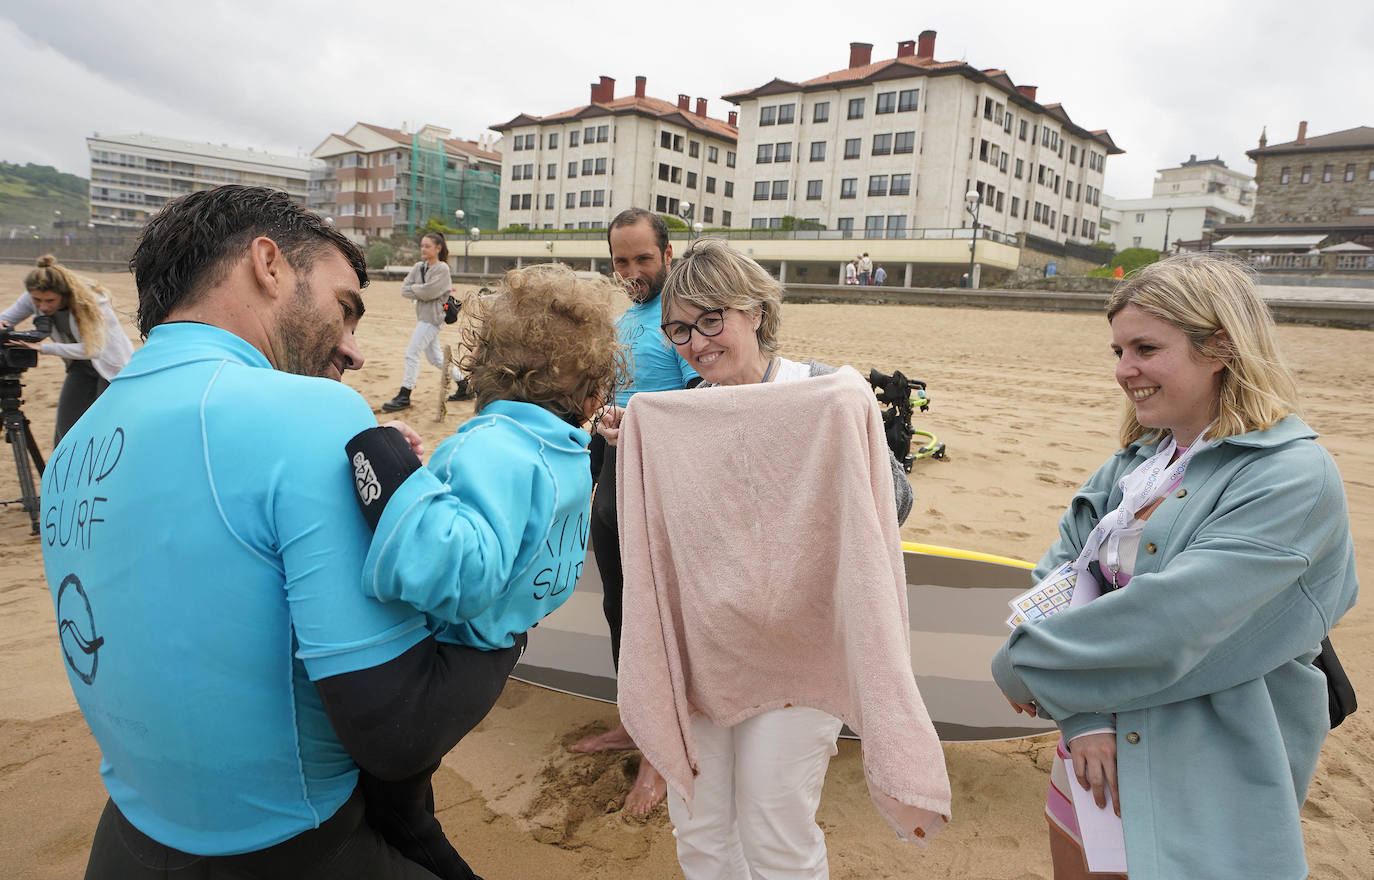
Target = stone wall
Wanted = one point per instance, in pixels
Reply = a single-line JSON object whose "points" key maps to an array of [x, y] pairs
{"points": [[1296, 202]]}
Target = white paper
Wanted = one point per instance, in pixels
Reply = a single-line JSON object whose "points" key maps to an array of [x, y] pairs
{"points": [[1104, 842]]}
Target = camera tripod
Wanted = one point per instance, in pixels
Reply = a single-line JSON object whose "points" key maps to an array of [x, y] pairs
{"points": [[20, 438]]}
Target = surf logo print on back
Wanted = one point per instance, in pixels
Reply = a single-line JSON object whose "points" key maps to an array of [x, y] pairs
{"points": [[565, 550], [74, 500]]}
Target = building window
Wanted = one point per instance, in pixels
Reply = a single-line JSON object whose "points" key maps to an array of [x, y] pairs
{"points": [[1073, 155], [896, 226], [905, 142], [587, 166], [761, 190], [787, 113], [1064, 224], [677, 174], [603, 133], [514, 202], [908, 99], [725, 219], [782, 152], [589, 135], [1306, 174], [765, 154], [851, 148], [856, 108], [599, 198], [1002, 163], [710, 184], [707, 214], [572, 137], [1021, 130], [548, 202], [1326, 173], [584, 199], [1135, 241], [768, 115], [519, 142], [1020, 168], [849, 187], [572, 200], [882, 144], [691, 180], [1006, 125], [779, 189], [572, 168], [873, 226], [552, 171], [665, 139], [661, 204], [1349, 173], [694, 149], [601, 165], [813, 189], [1140, 218], [1015, 205], [820, 111], [877, 185], [758, 223], [818, 151], [901, 185], [729, 158], [553, 140], [729, 189], [886, 103], [712, 154], [663, 171]]}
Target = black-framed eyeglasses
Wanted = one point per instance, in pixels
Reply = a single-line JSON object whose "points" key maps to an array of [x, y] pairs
{"points": [[707, 324]]}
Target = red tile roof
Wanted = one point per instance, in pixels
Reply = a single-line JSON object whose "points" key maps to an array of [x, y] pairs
{"points": [[653, 108], [1360, 137]]}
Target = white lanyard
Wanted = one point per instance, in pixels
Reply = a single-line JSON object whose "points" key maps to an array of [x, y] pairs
{"points": [[1140, 488]]}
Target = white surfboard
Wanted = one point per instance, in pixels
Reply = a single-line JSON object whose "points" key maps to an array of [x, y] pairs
{"points": [[957, 601]]}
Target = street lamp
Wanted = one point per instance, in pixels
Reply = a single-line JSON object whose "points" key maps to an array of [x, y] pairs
{"points": [[684, 211], [1168, 215], [473, 234], [973, 203]]}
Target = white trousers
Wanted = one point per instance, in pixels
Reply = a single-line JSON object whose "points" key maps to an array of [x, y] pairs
{"points": [[424, 340], [754, 801]]}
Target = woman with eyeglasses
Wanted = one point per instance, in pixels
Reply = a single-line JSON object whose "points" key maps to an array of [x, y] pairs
{"points": [[758, 782]]}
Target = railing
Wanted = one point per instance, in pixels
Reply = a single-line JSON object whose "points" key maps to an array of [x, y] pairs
{"points": [[984, 234], [1355, 262], [1265, 262]]}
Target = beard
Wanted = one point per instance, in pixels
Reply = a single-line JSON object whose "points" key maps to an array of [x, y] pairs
{"points": [[305, 339], [652, 288]]}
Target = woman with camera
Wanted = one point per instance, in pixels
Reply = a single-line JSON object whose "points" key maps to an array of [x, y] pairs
{"points": [[86, 333]]}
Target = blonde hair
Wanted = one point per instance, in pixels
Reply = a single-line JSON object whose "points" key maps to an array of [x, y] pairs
{"points": [[1202, 294], [712, 276], [547, 337], [80, 295]]}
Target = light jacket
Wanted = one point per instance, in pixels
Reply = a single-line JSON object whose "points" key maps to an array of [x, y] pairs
{"points": [[107, 362], [428, 285], [1206, 656]]}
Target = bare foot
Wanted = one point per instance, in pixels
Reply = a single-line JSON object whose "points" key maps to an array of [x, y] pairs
{"points": [[612, 740], [648, 791]]}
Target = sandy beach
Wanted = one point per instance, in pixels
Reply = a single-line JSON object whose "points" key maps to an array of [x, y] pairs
{"points": [[1027, 406]]}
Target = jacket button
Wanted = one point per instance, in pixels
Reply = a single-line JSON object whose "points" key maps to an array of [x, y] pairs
{"points": [[1133, 737], [1150, 548], [1182, 493]]}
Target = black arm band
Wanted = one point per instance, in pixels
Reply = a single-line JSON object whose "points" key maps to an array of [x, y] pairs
{"points": [[381, 459]]}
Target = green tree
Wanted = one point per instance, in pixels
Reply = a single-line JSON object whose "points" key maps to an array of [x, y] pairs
{"points": [[379, 254], [1129, 260]]}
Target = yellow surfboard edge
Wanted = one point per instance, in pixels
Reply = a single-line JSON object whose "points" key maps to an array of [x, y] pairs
{"points": [[956, 553]]}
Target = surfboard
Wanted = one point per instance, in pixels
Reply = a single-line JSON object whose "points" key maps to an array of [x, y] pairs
{"points": [[957, 603]]}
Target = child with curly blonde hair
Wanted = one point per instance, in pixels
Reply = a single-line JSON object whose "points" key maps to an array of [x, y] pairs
{"points": [[491, 536]]}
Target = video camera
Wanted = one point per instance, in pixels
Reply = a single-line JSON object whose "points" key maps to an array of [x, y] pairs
{"points": [[16, 359]]}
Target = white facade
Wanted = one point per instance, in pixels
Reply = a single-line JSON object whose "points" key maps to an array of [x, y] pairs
{"points": [[890, 147], [578, 169], [133, 176], [1189, 201]]}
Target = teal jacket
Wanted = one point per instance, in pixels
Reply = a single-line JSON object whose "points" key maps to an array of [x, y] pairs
{"points": [[1206, 656]]}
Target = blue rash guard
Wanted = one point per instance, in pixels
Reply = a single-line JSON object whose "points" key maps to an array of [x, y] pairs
{"points": [[491, 536], [202, 546], [654, 364]]}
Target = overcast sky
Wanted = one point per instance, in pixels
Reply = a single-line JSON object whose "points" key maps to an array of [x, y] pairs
{"points": [[1166, 79]]}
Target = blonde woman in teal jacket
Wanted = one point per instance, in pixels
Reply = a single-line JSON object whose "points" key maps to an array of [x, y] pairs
{"points": [[1219, 538]]}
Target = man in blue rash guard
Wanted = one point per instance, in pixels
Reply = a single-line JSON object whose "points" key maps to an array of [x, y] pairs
{"points": [[640, 255], [203, 551]]}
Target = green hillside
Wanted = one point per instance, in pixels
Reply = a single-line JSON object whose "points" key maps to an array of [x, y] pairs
{"points": [[30, 194]]}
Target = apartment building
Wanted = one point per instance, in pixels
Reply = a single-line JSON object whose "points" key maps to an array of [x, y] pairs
{"points": [[133, 176], [890, 146], [577, 169], [376, 181], [1189, 202]]}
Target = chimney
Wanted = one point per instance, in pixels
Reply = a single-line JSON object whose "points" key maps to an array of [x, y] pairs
{"points": [[734, 118], [925, 45], [1302, 133], [1192, 159], [906, 48], [860, 54], [1264, 137], [701, 107], [604, 91], [640, 81], [684, 102], [1028, 91]]}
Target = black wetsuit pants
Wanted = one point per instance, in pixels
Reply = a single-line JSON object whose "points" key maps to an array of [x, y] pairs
{"points": [[605, 535]]}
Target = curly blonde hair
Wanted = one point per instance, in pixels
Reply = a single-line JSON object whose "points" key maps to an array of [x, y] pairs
{"points": [[547, 337], [1202, 294], [79, 295]]}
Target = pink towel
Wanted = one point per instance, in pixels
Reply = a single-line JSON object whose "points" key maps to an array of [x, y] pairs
{"points": [[763, 568]]}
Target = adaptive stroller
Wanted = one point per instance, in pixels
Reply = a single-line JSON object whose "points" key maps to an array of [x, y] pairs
{"points": [[899, 397]]}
